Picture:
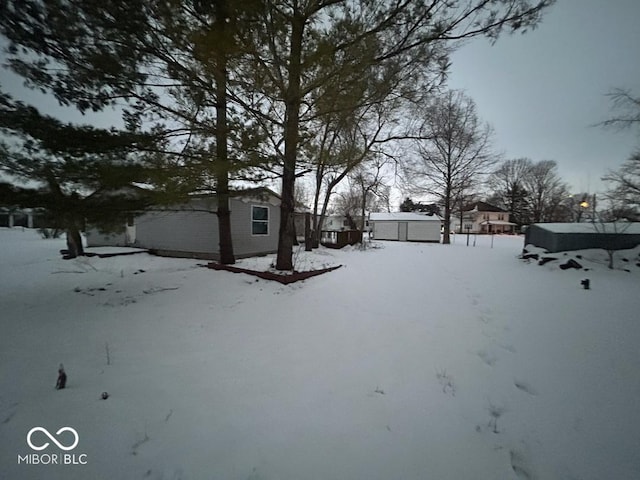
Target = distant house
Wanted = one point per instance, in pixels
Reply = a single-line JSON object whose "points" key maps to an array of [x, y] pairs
{"points": [[482, 217], [22, 217], [560, 237], [336, 223], [331, 223], [405, 227], [191, 229]]}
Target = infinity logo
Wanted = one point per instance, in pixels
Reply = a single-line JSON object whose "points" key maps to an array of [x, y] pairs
{"points": [[46, 432]]}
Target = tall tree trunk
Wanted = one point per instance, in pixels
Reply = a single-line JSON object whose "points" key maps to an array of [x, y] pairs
{"points": [[446, 239], [315, 234], [74, 241], [222, 134], [284, 260]]}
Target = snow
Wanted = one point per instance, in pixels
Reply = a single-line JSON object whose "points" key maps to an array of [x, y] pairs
{"points": [[411, 361]]}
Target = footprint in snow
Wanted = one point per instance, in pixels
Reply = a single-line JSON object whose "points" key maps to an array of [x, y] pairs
{"points": [[525, 387], [509, 348], [520, 466], [487, 358]]}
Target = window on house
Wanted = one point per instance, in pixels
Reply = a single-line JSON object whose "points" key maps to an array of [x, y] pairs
{"points": [[259, 220]]}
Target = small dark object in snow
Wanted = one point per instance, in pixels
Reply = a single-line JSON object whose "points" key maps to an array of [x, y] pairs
{"points": [[104, 395], [571, 263], [62, 378], [625, 259], [627, 270], [585, 283], [578, 256], [544, 260], [527, 256]]}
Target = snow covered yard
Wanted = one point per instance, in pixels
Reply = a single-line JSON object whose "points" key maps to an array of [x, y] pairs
{"points": [[412, 361]]}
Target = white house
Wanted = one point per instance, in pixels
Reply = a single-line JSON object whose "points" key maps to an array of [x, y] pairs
{"points": [[482, 217], [405, 227]]}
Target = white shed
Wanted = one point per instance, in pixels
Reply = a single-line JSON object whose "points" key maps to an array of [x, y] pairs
{"points": [[405, 227]]}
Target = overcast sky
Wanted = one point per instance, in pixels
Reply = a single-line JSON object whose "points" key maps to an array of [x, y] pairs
{"points": [[543, 91]]}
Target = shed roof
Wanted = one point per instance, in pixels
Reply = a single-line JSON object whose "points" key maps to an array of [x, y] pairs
{"points": [[617, 227], [403, 217]]}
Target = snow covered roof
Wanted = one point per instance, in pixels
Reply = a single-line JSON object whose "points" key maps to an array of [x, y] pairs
{"points": [[496, 222], [403, 217], [618, 227]]}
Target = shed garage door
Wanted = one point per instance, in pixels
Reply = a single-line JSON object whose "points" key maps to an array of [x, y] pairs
{"points": [[385, 230], [424, 232]]}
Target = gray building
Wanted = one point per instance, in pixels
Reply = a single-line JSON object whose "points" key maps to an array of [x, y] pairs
{"points": [[191, 229], [405, 227], [560, 237]]}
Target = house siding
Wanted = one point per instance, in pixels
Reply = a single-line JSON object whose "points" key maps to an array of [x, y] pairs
{"points": [[192, 230], [244, 242], [424, 232], [97, 239], [385, 230], [187, 231], [416, 231]]}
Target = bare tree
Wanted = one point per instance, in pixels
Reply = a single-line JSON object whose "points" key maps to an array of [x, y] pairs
{"points": [[608, 222], [545, 190], [455, 152], [624, 184], [507, 183], [627, 107], [367, 190]]}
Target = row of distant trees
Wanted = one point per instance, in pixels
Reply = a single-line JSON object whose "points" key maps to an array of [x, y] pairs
{"points": [[215, 92], [454, 163]]}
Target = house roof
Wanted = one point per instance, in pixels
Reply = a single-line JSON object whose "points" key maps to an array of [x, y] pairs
{"points": [[483, 207], [403, 216], [617, 227], [240, 192], [256, 191]]}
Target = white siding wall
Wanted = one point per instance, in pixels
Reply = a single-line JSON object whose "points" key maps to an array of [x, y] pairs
{"points": [[244, 242], [424, 231], [180, 231], [385, 230], [193, 229], [421, 231], [97, 239]]}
